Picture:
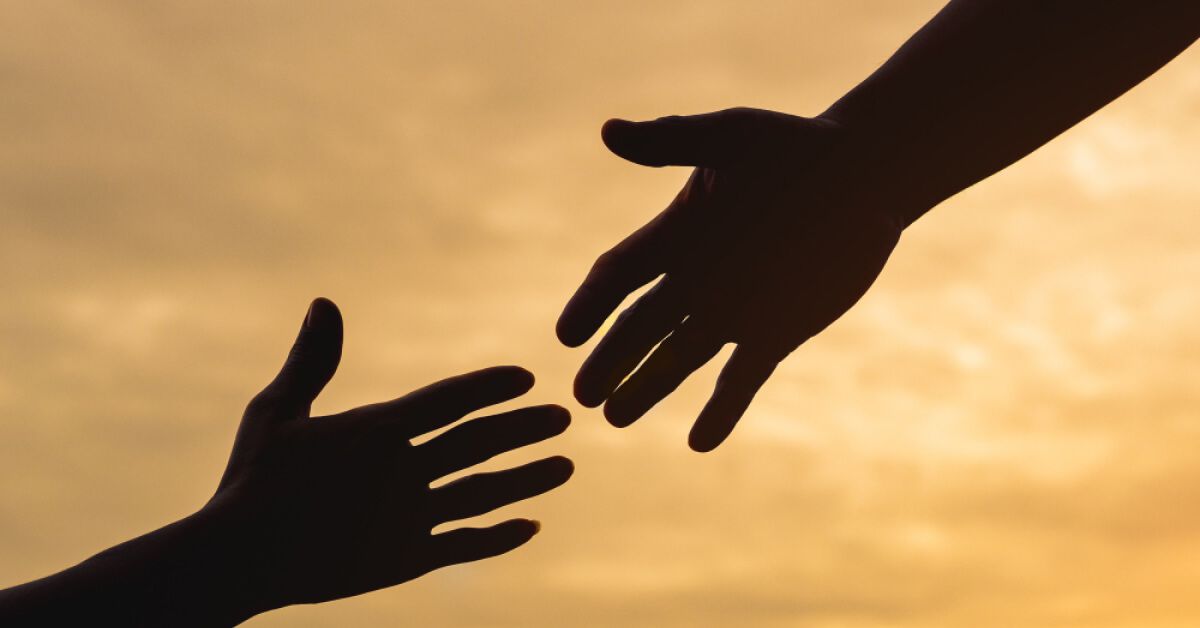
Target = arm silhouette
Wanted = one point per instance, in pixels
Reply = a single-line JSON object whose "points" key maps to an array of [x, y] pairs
{"points": [[321, 508], [786, 221]]}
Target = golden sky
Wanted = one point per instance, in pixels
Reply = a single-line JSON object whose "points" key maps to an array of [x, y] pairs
{"points": [[1003, 433]]}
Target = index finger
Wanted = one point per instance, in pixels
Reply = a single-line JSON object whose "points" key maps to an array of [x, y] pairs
{"points": [[448, 400], [615, 274]]}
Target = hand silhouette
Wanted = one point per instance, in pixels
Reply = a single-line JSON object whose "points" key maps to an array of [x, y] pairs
{"points": [[314, 509], [329, 507], [764, 246]]}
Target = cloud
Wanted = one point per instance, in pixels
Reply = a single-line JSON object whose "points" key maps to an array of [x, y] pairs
{"points": [[1000, 434]]}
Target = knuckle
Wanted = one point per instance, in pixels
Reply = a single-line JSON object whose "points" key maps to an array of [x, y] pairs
{"points": [[606, 261], [265, 401]]}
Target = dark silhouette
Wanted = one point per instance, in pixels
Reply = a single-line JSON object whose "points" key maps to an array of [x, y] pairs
{"points": [[315, 509], [787, 221]]}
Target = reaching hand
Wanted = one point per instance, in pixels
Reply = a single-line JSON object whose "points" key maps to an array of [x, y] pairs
{"points": [[315, 509], [771, 239]]}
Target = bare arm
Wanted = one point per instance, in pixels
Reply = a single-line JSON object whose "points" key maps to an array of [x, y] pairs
{"points": [[787, 221], [986, 82], [312, 509]]}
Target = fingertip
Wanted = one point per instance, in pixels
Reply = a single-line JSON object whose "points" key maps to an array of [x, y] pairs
{"points": [[520, 527], [617, 416], [493, 385], [518, 378], [561, 466], [564, 463], [559, 411], [560, 418], [314, 356], [586, 394], [621, 137], [574, 326], [613, 127], [628, 402], [739, 381], [548, 420], [567, 333], [713, 426], [703, 443], [716, 422], [321, 313], [561, 334], [525, 377], [519, 531], [481, 543]]}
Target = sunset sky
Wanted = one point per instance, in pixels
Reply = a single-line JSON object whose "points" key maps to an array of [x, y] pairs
{"points": [[1004, 432]]}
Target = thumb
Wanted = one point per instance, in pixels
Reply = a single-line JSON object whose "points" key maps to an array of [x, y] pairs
{"points": [[707, 140], [312, 361]]}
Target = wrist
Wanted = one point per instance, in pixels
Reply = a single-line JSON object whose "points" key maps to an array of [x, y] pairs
{"points": [[880, 169], [183, 574], [215, 565], [178, 575]]}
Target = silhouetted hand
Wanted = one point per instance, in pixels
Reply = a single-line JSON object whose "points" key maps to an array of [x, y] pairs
{"points": [[764, 247], [317, 508], [328, 507]]}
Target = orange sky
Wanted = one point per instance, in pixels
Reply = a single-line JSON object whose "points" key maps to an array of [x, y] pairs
{"points": [[1003, 433]]}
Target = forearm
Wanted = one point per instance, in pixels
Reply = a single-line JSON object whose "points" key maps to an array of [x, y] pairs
{"points": [[986, 82], [174, 576]]}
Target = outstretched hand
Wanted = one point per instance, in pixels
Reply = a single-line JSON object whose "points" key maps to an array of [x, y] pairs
{"points": [[772, 238], [312, 509], [319, 508]]}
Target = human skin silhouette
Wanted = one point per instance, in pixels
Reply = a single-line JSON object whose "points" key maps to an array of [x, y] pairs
{"points": [[312, 509], [786, 221]]}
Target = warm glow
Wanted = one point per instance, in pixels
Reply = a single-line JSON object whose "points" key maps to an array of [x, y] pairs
{"points": [[1005, 432]]}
